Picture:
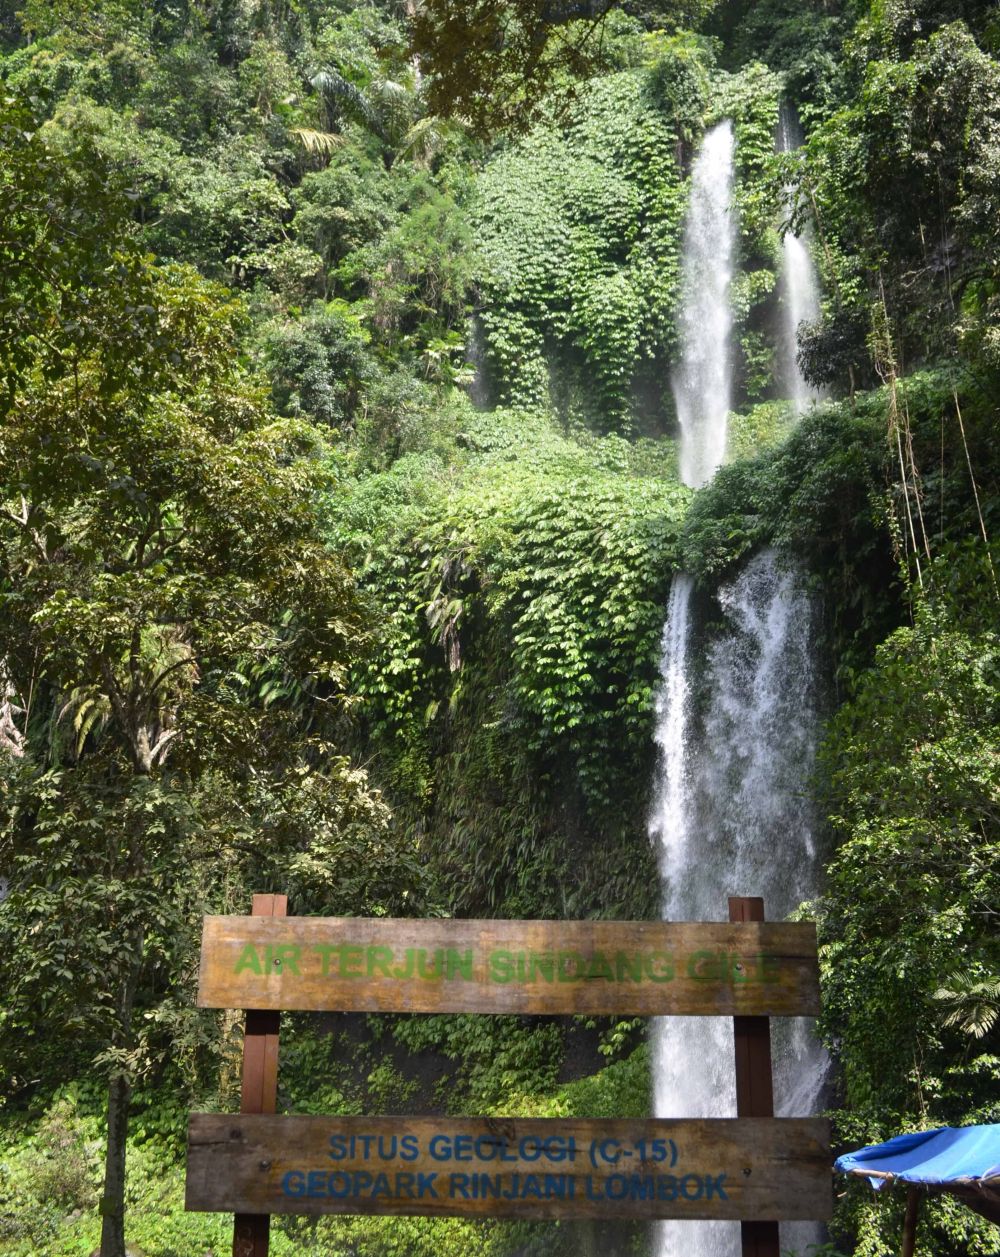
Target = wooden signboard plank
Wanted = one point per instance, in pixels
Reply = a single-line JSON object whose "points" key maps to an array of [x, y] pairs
{"points": [[511, 1167], [635, 968]]}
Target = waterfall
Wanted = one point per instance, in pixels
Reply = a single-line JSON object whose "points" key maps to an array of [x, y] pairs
{"points": [[735, 734], [798, 287], [702, 386], [703, 382], [475, 356]]}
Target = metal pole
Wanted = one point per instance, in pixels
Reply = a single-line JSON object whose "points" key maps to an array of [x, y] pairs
{"points": [[754, 1088], [252, 1231]]}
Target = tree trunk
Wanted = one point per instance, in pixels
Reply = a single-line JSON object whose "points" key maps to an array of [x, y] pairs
{"points": [[113, 1197], [119, 1099]]}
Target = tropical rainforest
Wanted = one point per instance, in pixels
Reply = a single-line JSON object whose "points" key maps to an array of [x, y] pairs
{"points": [[339, 510]]}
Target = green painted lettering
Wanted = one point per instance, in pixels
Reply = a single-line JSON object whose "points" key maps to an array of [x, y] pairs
{"points": [[501, 966], [286, 958], [325, 951], [351, 958], [405, 970], [599, 969], [431, 972], [705, 966], [659, 966], [458, 964], [248, 960], [628, 966], [572, 966], [543, 965], [379, 960]]}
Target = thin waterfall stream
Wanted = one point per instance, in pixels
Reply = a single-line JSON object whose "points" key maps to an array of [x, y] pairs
{"points": [[798, 288], [736, 716]]}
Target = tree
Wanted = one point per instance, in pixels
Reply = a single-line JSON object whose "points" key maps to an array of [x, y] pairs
{"points": [[176, 635], [909, 918], [493, 61]]}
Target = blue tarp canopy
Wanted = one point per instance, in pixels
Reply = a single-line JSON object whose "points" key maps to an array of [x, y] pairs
{"points": [[964, 1161]]}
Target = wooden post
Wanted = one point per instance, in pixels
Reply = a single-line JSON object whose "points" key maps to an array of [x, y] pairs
{"points": [[252, 1231], [754, 1089], [910, 1222]]}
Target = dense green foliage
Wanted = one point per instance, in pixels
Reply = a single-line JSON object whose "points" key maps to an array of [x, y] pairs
{"points": [[521, 593], [911, 989], [254, 534]]}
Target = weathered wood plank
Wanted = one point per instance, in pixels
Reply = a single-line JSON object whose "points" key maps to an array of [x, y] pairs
{"points": [[638, 968], [749, 1168]]}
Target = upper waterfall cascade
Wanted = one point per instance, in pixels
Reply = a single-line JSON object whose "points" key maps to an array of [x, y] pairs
{"points": [[702, 383]]}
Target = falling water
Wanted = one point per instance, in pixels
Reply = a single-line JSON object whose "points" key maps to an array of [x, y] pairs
{"points": [[475, 356], [703, 381], [798, 290], [702, 386], [735, 734]]}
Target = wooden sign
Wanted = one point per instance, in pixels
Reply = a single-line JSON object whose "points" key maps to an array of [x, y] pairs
{"points": [[749, 1168], [636, 968]]}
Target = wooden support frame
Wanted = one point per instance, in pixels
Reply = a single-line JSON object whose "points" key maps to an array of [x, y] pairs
{"points": [[910, 1220], [754, 1082], [747, 968], [259, 1089]]}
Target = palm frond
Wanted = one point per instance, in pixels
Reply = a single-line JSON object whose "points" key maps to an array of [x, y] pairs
{"points": [[323, 142], [973, 1006], [344, 96]]}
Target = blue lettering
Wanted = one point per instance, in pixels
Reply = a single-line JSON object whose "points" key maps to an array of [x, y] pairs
{"points": [[555, 1187], [532, 1187], [487, 1147], [616, 1188], [440, 1148], [293, 1184], [425, 1185], [488, 1185], [714, 1187], [692, 1187], [344, 1184]]}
